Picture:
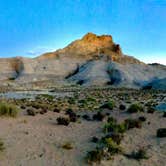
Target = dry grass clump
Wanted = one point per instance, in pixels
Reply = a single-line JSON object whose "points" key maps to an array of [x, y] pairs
{"points": [[8, 110], [67, 146]]}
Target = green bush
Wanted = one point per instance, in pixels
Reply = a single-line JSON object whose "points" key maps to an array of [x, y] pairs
{"points": [[116, 137], [95, 156], [113, 126], [134, 108], [113, 147], [108, 105], [8, 110]]}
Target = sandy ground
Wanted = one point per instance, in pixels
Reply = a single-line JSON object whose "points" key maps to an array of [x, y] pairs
{"points": [[37, 141]]}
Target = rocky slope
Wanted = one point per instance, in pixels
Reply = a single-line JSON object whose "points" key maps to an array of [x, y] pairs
{"points": [[92, 60]]}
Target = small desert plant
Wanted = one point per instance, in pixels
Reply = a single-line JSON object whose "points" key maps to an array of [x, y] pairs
{"points": [[138, 155], [31, 112], [113, 147], [150, 110], [133, 123], [134, 108], [95, 139], [142, 118], [106, 148], [71, 100], [63, 121], [56, 110], [161, 132], [12, 78], [46, 96], [116, 137], [86, 117], [108, 105], [122, 107], [2, 147], [99, 116], [72, 115], [8, 110], [67, 146], [113, 126], [95, 156]]}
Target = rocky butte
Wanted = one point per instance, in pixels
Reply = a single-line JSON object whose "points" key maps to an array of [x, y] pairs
{"points": [[92, 60]]}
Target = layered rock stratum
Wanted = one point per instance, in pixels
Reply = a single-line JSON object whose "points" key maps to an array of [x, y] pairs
{"points": [[92, 60]]}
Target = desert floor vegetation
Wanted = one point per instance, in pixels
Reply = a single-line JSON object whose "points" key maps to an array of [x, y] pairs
{"points": [[91, 127]]}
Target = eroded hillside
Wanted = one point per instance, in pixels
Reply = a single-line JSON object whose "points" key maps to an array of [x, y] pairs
{"points": [[92, 60]]}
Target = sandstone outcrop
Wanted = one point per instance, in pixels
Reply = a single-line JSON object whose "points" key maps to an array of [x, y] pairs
{"points": [[92, 60]]}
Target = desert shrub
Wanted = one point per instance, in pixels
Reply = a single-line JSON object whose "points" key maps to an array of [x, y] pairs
{"points": [[43, 111], [12, 78], [71, 100], [116, 137], [95, 139], [113, 126], [122, 107], [31, 112], [95, 156], [138, 155], [69, 111], [161, 132], [86, 117], [99, 116], [133, 123], [107, 113], [134, 108], [142, 118], [113, 147], [23, 107], [8, 110], [108, 105], [91, 99], [56, 110], [106, 148], [111, 120], [72, 115], [38, 105], [67, 146], [150, 110], [63, 121], [2, 146], [46, 96]]}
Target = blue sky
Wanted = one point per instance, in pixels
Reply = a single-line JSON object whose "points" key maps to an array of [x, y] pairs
{"points": [[31, 27]]}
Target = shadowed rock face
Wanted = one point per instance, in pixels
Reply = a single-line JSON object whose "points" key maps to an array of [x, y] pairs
{"points": [[92, 60]]}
